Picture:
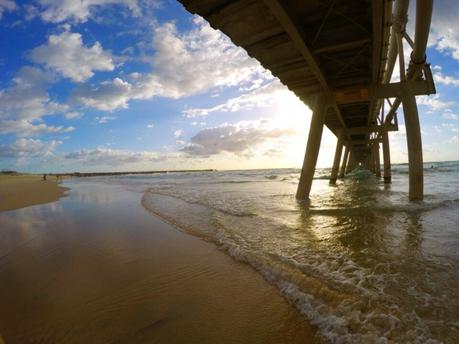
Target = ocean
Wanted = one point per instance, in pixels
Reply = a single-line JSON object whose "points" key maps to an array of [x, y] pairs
{"points": [[359, 261]]}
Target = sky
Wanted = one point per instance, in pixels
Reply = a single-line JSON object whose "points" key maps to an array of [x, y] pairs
{"points": [[117, 85]]}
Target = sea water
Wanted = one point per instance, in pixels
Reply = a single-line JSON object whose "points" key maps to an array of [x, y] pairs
{"points": [[360, 262]]}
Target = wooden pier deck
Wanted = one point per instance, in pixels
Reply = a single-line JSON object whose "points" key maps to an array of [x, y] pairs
{"points": [[338, 57]]}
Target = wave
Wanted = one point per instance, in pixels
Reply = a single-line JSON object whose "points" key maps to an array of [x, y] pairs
{"points": [[330, 289], [384, 208]]}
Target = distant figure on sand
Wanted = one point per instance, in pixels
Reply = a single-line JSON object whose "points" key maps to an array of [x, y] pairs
{"points": [[44, 177]]}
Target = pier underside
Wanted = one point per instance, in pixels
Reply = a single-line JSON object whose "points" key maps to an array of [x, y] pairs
{"points": [[338, 56]]}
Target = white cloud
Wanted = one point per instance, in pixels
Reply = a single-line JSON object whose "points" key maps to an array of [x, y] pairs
{"points": [[183, 64], [450, 126], [444, 34], [445, 79], [196, 61], [24, 148], [256, 98], [178, 133], [114, 157], [23, 127], [104, 119], [108, 96], [26, 102], [198, 123], [6, 5], [455, 139], [241, 138], [73, 115], [57, 11], [150, 126], [450, 115], [66, 54], [435, 102]]}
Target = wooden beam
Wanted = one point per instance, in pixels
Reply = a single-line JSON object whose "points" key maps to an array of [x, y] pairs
{"points": [[364, 142], [285, 19], [370, 129], [364, 93], [341, 46]]}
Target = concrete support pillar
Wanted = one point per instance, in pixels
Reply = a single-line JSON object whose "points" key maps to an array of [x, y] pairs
{"points": [[312, 149], [386, 157], [337, 160], [377, 161], [414, 142], [344, 163], [371, 160], [351, 162]]}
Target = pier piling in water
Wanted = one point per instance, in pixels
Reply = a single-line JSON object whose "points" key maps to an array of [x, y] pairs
{"points": [[312, 148], [337, 159], [386, 157], [344, 163]]}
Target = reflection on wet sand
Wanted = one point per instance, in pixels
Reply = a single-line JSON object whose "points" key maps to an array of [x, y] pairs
{"points": [[99, 269]]}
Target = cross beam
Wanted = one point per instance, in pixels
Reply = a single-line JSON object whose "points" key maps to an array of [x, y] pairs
{"points": [[359, 94], [284, 18], [371, 129]]}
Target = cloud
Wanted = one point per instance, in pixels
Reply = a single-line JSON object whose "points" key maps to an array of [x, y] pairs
{"points": [[108, 96], [444, 35], [260, 97], [448, 114], [6, 5], [114, 157], [196, 61], [57, 11], [178, 133], [73, 115], [241, 138], [104, 119], [450, 126], [25, 102], [455, 139], [195, 123], [445, 79], [66, 54], [150, 126], [435, 102], [27, 98], [184, 64], [24, 148], [25, 128]]}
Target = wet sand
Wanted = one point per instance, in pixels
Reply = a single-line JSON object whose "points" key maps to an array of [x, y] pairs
{"points": [[96, 267], [26, 190]]}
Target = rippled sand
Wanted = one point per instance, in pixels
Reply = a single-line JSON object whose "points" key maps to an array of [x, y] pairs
{"points": [[97, 268]]}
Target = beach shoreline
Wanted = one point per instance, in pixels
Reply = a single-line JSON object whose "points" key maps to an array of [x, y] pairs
{"points": [[24, 190], [105, 269]]}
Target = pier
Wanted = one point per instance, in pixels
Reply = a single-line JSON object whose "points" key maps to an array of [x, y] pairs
{"points": [[338, 57]]}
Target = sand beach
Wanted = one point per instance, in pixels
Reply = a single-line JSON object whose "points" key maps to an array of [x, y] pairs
{"points": [[95, 267], [19, 191]]}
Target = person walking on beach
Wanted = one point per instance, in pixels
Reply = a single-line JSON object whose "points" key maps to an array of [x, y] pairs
{"points": [[44, 177]]}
